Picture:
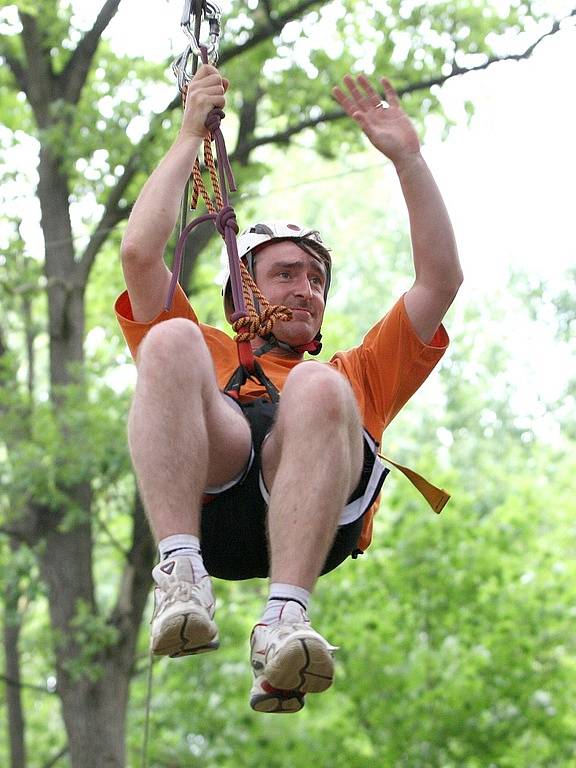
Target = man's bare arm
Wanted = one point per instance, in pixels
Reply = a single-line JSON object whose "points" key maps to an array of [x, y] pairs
{"points": [[156, 209], [436, 264], [438, 274]]}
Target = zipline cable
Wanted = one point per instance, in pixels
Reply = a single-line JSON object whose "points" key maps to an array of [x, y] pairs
{"points": [[146, 739]]}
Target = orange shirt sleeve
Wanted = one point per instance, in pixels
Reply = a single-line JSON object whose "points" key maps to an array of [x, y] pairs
{"points": [[389, 366], [134, 332]]}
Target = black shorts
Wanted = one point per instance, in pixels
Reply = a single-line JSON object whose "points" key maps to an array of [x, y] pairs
{"points": [[233, 529]]}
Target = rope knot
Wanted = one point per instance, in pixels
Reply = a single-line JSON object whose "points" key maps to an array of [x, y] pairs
{"points": [[246, 328], [226, 218], [213, 120]]}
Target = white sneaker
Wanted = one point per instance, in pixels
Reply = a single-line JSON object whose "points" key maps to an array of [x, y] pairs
{"points": [[289, 659], [182, 622]]}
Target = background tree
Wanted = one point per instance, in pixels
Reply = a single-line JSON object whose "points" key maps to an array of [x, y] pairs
{"points": [[67, 494]]}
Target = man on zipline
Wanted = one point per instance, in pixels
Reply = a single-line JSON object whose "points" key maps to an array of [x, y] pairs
{"points": [[281, 491]]}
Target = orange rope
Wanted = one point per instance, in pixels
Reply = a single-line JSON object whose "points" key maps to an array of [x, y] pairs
{"points": [[209, 160], [199, 190], [257, 323]]}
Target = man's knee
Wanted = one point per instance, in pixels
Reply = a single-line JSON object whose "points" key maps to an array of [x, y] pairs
{"points": [[322, 390], [172, 342]]}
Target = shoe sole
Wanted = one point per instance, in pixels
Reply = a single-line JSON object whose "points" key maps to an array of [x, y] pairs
{"points": [[302, 665], [275, 701], [185, 635]]}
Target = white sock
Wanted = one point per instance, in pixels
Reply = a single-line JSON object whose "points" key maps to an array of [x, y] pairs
{"points": [[279, 595], [184, 544]]}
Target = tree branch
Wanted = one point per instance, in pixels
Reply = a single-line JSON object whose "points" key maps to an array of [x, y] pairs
{"points": [[111, 217], [23, 530], [28, 686], [58, 756], [265, 31], [248, 118], [457, 71], [135, 582], [113, 214], [15, 66], [41, 83], [72, 78], [283, 137]]}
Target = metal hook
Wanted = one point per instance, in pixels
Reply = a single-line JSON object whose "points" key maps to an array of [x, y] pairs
{"points": [[210, 13]]}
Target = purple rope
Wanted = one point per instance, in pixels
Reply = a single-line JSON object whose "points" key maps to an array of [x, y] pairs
{"points": [[224, 220], [179, 253]]}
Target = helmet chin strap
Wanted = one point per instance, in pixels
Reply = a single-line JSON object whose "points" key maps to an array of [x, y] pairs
{"points": [[270, 341]]}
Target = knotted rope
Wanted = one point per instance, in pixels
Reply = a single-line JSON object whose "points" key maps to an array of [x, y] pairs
{"points": [[247, 321]]}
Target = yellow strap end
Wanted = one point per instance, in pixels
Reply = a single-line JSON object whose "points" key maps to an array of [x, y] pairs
{"points": [[436, 497]]}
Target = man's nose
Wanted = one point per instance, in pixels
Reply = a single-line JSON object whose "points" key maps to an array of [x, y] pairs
{"points": [[303, 287]]}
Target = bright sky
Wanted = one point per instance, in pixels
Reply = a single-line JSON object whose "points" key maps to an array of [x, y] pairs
{"points": [[519, 156], [514, 204]]}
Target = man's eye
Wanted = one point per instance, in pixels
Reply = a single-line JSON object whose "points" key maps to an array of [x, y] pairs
{"points": [[284, 274]]}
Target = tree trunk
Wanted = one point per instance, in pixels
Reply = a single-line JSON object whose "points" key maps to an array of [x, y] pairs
{"points": [[95, 719], [12, 627], [93, 683], [92, 677], [65, 295]]}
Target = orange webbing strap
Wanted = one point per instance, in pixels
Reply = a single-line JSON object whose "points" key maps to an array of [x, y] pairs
{"points": [[437, 498]]}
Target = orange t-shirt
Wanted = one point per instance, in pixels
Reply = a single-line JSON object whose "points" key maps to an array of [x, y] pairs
{"points": [[385, 370]]}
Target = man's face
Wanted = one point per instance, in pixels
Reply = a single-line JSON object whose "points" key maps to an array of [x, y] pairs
{"points": [[288, 275]]}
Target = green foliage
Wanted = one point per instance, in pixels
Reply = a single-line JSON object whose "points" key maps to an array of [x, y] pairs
{"points": [[456, 648], [47, 459], [94, 637]]}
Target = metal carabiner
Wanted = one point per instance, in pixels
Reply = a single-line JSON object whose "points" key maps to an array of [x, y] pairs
{"points": [[210, 13]]}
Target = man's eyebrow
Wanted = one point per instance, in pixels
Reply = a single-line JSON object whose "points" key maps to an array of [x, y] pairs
{"points": [[317, 266]]}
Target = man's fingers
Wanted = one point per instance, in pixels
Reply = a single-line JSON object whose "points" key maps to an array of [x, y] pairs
{"points": [[362, 96], [343, 100], [204, 70], [214, 90], [353, 88], [212, 80], [371, 93], [390, 93]]}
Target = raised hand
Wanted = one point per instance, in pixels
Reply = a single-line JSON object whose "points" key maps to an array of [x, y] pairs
{"points": [[385, 124], [205, 91]]}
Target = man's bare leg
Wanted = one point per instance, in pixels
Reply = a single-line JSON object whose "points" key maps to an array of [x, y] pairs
{"points": [[312, 462], [183, 438]]}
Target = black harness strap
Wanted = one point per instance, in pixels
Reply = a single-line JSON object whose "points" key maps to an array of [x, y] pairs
{"points": [[241, 376]]}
